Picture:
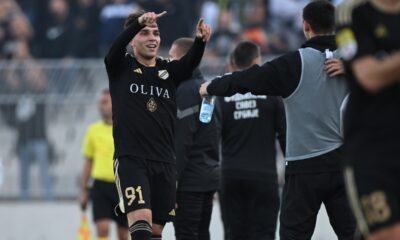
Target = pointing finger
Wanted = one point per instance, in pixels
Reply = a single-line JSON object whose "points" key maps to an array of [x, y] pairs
{"points": [[201, 22], [161, 14]]}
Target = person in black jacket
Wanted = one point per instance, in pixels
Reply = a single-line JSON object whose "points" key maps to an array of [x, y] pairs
{"points": [[314, 104], [249, 127], [197, 157], [143, 88]]}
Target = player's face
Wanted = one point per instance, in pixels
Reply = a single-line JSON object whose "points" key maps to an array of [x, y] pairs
{"points": [[146, 43], [390, 2], [173, 53], [105, 106], [387, 6]]}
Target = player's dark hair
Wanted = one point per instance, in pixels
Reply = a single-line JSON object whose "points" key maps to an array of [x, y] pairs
{"points": [[133, 17], [245, 53], [320, 15], [183, 45]]}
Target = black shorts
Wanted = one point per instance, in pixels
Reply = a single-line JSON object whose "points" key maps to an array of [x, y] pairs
{"points": [[104, 197], [373, 188], [145, 184]]}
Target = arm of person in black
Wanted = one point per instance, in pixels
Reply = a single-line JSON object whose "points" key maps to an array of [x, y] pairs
{"points": [[117, 50], [183, 68], [279, 77], [280, 123]]}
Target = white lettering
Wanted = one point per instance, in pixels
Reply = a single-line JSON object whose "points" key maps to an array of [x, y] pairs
{"points": [[142, 90], [149, 90], [245, 114], [134, 88], [166, 94], [159, 92], [246, 104], [240, 97]]}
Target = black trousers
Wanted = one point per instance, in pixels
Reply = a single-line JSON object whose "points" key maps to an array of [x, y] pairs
{"points": [[250, 208], [193, 215], [302, 197]]}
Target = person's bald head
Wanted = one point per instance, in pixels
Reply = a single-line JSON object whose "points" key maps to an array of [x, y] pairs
{"points": [[180, 47]]}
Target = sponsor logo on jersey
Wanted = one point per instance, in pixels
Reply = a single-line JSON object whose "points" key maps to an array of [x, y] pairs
{"points": [[149, 90]]}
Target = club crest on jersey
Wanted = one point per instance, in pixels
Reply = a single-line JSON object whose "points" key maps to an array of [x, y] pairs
{"points": [[151, 105], [163, 74], [381, 31]]}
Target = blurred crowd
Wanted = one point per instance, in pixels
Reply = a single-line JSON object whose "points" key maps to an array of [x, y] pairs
{"points": [[68, 29], [85, 28]]}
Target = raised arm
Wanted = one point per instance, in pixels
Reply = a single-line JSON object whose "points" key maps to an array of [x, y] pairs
{"points": [[280, 77], [183, 68], [118, 47]]}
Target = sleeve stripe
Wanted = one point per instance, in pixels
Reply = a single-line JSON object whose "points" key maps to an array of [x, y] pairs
{"points": [[344, 11]]}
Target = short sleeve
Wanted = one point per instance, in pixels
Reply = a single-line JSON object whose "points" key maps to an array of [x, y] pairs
{"points": [[354, 37]]}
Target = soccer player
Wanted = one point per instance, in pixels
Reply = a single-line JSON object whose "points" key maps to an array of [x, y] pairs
{"points": [[197, 157], [249, 127], [313, 103], [98, 149], [368, 37], [143, 88]]}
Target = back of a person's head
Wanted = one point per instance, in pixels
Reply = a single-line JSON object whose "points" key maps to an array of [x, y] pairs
{"points": [[244, 54], [320, 15], [183, 45]]}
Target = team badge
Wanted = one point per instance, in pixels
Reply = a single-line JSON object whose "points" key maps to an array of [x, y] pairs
{"points": [[163, 74], [151, 105], [347, 43], [381, 31]]}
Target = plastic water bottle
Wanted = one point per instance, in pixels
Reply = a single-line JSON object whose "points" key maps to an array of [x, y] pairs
{"points": [[206, 110]]}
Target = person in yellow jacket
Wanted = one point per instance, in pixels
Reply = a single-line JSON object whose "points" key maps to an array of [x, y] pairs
{"points": [[98, 150]]}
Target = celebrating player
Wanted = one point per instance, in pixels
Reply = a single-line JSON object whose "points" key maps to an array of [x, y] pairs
{"points": [[143, 88]]}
